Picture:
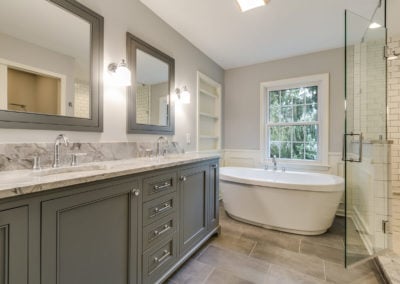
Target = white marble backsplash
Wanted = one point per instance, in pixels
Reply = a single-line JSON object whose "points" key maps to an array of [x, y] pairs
{"points": [[20, 156]]}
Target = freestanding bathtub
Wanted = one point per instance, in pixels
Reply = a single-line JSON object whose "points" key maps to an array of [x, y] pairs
{"points": [[295, 202]]}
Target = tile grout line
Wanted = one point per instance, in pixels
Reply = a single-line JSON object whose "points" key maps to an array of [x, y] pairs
{"points": [[202, 252], [252, 249], [266, 275], [208, 276], [300, 245]]}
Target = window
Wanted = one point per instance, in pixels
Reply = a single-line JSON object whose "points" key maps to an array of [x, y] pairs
{"points": [[294, 119]]}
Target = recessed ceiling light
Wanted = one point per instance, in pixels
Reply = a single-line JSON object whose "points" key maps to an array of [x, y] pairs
{"points": [[246, 5], [374, 25]]}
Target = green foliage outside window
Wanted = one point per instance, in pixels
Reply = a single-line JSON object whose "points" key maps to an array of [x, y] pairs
{"points": [[289, 108]]}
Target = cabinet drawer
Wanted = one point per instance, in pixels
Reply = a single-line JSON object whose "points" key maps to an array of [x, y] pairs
{"points": [[159, 259], [156, 186], [159, 208], [159, 231]]}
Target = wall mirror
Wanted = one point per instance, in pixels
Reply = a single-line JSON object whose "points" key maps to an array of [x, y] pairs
{"points": [[150, 107], [50, 65]]}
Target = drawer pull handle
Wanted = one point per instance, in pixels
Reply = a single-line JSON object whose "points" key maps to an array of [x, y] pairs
{"points": [[182, 178], [158, 233], [162, 209], [161, 259], [163, 186]]}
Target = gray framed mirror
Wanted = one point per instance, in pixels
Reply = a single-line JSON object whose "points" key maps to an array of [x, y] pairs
{"points": [[51, 65], [150, 107]]}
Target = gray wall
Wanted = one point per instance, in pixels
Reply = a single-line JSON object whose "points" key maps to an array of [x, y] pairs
{"points": [[393, 19], [132, 16], [242, 96]]}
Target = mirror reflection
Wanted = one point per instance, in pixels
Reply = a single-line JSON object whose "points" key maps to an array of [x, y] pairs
{"points": [[44, 59], [152, 89]]}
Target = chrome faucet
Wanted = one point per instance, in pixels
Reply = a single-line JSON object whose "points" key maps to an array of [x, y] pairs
{"points": [[61, 139], [161, 151], [274, 162]]}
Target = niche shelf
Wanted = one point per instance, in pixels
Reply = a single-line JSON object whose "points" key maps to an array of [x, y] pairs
{"points": [[208, 113]]}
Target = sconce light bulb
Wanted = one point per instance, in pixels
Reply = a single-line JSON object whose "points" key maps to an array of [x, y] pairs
{"points": [[182, 96], [185, 96], [120, 73]]}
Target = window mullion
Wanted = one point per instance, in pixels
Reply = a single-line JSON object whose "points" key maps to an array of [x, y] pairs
{"points": [[293, 123]]}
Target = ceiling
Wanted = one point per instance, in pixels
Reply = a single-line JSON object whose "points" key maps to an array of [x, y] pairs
{"points": [[281, 29]]}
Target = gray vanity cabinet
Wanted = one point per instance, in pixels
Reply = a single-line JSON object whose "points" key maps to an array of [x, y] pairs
{"points": [[14, 246], [213, 197], [194, 184], [160, 224], [135, 229], [91, 237]]}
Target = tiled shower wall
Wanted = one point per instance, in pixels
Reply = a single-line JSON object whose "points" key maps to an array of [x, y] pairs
{"points": [[82, 100], [366, 113], [143, 104], [368, 89], [394, 135]]}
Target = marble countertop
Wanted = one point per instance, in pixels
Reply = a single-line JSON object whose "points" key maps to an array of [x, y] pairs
{"points": [[390, 263], [20, 182]]}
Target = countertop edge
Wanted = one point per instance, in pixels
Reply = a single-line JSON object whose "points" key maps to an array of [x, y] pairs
{"points": [[76, 178]]}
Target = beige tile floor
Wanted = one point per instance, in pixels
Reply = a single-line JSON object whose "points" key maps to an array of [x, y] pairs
{"points": [[248, 254]]}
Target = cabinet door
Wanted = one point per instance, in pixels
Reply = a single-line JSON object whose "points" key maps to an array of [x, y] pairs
{"points": [[90, 237], [193, 189], [14, 246], [213, 197]]}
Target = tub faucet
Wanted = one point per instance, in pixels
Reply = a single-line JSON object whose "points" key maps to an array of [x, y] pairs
{"points": [[274, 162], [61, 139]]}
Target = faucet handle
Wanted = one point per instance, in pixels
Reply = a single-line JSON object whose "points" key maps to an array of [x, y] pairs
{"points": [[36, 163], [74, 158]]}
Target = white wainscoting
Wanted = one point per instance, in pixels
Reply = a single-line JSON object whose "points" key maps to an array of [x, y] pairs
{"points": [[254, 159]]}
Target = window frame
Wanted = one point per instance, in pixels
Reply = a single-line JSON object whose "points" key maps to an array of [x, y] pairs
{"points": [[322, 82]]}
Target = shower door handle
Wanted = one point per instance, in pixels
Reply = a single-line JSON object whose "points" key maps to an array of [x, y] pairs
{"points": [[359, 160]]}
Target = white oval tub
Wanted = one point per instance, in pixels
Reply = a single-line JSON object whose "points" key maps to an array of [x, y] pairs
{"points": [[296, 202]]}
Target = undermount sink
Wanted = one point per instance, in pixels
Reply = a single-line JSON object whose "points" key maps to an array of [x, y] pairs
{"points": [[15, 178], [63, 170], [27, 176]]}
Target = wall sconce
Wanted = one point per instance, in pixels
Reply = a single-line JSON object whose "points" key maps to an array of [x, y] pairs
{"points": [[182, 95], [120, 73], [391, 53]]}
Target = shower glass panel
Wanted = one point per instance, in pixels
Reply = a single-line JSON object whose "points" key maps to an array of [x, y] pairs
{"points": [[366, 149]]}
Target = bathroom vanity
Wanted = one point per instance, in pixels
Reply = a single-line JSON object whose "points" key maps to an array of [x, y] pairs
{"points": [[129, 221]]}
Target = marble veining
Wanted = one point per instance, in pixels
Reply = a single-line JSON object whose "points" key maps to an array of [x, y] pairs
{"points": [[390, 262], [20, 182], [20, 156]]}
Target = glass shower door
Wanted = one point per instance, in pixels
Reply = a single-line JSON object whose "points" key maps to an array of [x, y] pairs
{"points": [[366, 148]]}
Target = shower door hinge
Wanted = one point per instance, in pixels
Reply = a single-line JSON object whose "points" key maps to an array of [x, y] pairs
{"points": [[385, 224]]}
